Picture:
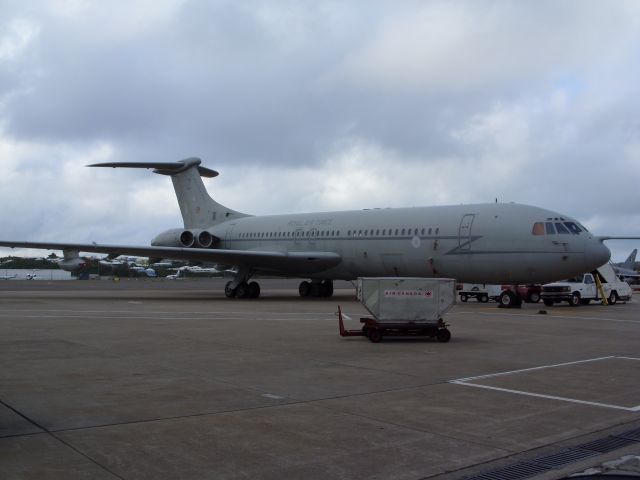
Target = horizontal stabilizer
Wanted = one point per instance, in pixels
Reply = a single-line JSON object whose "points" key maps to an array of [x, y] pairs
{"points": [[163, 168]]}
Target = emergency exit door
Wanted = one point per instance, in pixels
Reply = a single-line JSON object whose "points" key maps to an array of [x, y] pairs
{"points": [[464, 233]]}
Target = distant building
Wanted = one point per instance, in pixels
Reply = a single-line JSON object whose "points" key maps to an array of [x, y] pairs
{"points": [[31, 274]]}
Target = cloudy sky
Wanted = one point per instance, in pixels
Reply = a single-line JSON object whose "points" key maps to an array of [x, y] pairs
{"points": [[307, 106]]}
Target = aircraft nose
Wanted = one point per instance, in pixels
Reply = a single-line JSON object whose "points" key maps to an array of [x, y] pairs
{"points": [[597, 253]]}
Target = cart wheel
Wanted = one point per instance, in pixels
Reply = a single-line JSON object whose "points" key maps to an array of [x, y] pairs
{"points": [[375, 335], [444, 335], [464, 298], [484, 298]]}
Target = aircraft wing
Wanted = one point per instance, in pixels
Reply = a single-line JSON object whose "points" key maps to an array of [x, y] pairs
{"points": [[273, 261]]}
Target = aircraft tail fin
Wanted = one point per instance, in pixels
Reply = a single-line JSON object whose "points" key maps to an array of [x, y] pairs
{"points": [[630, 262], [198, 209]]}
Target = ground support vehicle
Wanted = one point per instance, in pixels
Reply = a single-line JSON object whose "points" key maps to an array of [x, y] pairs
{"points": [[601, 285], [403, 307], [482, 292]]}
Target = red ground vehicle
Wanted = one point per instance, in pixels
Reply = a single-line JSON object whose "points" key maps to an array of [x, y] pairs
{"points": [[528, 293]]}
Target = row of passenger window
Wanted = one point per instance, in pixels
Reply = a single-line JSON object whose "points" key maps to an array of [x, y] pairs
{"points": [[336, 233], [553, 228], [392, 232]]}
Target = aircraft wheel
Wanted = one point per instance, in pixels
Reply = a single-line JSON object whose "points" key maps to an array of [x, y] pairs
{"points": [[243, 290], [443, 335], [327, 288], [316, 289], [375, 335], [613, 298], [228, 291], [463, 298], [304, 289], [254, 290], [484, 298]]}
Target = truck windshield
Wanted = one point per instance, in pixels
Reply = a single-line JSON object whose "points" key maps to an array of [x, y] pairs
{"points": [[576, 279]]}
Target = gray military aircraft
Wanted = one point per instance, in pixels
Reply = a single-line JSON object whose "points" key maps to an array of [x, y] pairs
{"points": [[626, 269], [484, 243]]}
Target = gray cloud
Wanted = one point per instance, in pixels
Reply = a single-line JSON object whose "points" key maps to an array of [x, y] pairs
{"points": [[533, 102]]}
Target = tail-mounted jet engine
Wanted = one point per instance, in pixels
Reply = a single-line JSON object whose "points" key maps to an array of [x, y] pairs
{"points": [[177, 237]]}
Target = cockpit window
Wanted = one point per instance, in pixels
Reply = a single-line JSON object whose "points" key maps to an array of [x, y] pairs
{"points": [[573, 228], [551, 230], [538, 228]]}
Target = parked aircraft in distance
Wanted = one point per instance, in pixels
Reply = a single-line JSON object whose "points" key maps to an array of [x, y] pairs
{"points": [[497, 243], [626, 269]]}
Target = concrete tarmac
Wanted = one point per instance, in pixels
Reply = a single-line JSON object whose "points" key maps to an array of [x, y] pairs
{"points": [[158, 379]]}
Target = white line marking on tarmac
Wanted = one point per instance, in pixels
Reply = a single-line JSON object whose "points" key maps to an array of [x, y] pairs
{"points": [[467, 382], [532, 369], [539, 395]]}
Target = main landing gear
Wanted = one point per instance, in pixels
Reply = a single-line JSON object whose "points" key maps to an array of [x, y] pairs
{"points": [[243, 290], [316, 288], [240, 287]]}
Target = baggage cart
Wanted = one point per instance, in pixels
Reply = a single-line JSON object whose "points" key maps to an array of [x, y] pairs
{"points": [[403, 306]]}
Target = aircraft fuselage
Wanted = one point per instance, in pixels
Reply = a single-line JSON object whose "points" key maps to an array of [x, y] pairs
{"points": [[484, 243]]}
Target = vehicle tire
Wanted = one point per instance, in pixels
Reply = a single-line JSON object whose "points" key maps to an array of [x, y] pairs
{"points": [[443, 335], [483, 298], [585, 301], [243, 290], [228, 291], [574, 299], [254, 290], [534, 297], [464, 298], [375, 335], [507, 299], [548, 302], [304, 289], [613, 298]]}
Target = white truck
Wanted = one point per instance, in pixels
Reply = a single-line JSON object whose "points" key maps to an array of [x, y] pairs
{"points": [[582, 289]]}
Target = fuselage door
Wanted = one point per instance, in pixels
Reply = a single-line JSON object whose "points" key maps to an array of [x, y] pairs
{"points": [[229, 235], [464, 234]]}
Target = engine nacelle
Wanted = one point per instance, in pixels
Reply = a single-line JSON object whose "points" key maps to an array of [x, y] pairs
{"points": [[178, 237], [204, 239], [72, 265], [71, 262]]}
